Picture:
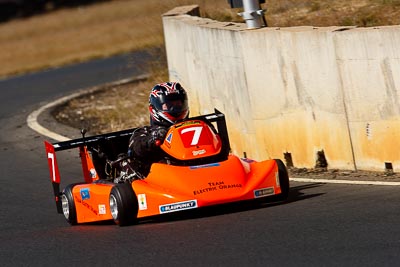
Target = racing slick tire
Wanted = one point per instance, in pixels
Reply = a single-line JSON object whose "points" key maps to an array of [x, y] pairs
{"points": [[123, 204], [68, 204], [283, 180]]}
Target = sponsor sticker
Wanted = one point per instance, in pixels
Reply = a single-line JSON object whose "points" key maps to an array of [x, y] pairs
{"points": [[85, 194], [169, 138], [214, 186], [205, 166], [142, 201], [198, 152], [263, 192], [185, 205], [186, 123], [93, 173], [102, 209]]}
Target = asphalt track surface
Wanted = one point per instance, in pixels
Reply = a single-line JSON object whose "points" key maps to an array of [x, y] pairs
{"points": [[320, 225]]}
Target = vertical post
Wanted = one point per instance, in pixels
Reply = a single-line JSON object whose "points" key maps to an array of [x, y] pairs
{"points": [[253, 15]]}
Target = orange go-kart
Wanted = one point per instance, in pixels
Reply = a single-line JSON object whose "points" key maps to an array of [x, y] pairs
{"points": [[198, 171]]}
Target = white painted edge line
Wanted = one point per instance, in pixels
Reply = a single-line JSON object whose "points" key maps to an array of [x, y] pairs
{"points": [[32, 119], [34, 125], [328, 181]]}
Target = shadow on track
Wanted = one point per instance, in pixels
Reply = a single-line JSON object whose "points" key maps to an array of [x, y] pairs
{"points": [[296, 193]]}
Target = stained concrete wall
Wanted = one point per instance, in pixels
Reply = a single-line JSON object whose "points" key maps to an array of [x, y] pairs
{"points": [[294, 90]]}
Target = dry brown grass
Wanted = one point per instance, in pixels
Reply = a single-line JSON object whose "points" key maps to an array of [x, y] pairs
{"points": [[78, 34], [108, 28], [112, 109], [363, 13]]}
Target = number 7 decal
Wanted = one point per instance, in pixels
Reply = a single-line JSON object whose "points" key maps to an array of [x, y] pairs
{"points": [[52, 168], [196, 136], [52, 161]]}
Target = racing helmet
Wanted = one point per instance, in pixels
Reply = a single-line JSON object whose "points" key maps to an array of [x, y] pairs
{"points": [[168, 103]]}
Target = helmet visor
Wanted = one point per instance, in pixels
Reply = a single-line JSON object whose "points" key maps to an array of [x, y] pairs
{"points": [[174, 104]]}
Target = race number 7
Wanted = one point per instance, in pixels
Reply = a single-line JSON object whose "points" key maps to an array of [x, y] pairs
{"points": [[53, 169], [52, 161], [196, 135]]}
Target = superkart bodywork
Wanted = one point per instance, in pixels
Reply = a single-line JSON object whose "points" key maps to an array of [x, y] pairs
{"points": [[199, 171]]}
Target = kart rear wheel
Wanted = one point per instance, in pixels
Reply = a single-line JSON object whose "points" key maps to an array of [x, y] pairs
{"points": [[283, 180], [68, 205], [123, 204]]}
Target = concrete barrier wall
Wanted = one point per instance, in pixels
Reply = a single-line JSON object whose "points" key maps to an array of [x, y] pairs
{"points": [[295, 91]]}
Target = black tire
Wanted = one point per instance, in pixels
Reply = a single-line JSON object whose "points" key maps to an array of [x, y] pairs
{"points": [[283, 180], [123, 204], [68, 204]]}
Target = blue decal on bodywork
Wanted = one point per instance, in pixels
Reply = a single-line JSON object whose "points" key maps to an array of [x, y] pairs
{"points": [[263, 192], [85, 194], [205, 166], [191, 204]]}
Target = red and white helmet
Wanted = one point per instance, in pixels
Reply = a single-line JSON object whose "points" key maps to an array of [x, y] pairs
{"points": [[168, 103]]}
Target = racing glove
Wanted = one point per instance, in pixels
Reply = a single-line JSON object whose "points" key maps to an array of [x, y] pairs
{"points": [[157, 136]]}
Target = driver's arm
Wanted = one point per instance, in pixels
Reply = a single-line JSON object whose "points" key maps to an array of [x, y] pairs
{"points": [[145, 140]]}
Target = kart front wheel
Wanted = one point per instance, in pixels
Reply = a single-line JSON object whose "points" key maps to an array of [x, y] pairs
{"points": [[68, 204], [283, 180], [123, 204]]}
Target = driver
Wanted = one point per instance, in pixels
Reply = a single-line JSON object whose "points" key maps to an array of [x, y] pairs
{"points": [[168, 103]]}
